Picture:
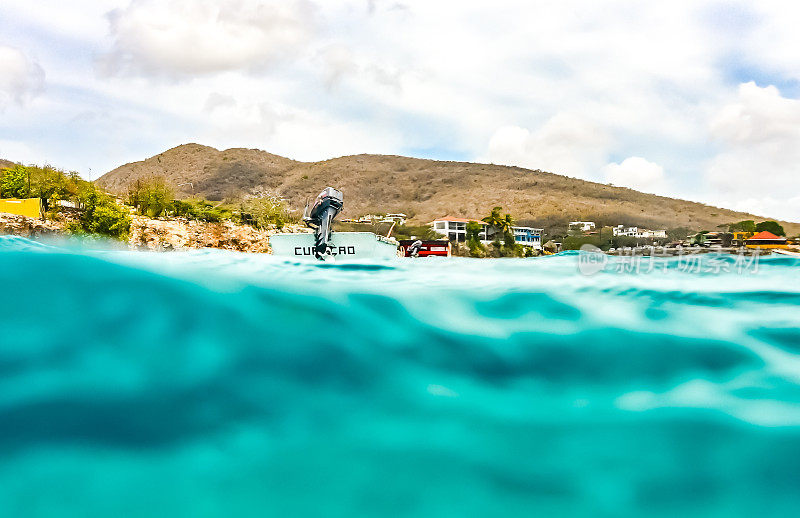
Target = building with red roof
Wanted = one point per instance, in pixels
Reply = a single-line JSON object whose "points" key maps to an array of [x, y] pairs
{"points": [[766, 239]]}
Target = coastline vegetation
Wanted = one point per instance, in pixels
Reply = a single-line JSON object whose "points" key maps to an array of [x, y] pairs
{"points": [[59, 191], [91, 211], [154, 197]]}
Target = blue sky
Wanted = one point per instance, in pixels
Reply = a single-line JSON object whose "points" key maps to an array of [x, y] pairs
{"points": [[693, 99]]}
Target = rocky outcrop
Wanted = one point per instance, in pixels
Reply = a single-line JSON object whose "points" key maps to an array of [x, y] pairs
{"points": [[177, 233], [161, 234], [29, 227]]}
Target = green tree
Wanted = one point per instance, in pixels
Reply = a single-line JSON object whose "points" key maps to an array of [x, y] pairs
{"points": [[49, 185], [747, 225], [502, 225], [14, 183], [495, 221], [476, 248], [150, 196], [509, 241], [770, 226], [473, 231]]}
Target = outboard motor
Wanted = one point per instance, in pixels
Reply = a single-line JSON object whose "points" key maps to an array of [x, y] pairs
{"points": [[326, 207], [415, 247]]}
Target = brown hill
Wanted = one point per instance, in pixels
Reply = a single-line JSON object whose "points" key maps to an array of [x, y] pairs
{"points": [[6, 163], [424, 189]]}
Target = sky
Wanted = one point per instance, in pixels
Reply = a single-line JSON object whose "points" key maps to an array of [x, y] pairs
{"points": [[692, 99]]}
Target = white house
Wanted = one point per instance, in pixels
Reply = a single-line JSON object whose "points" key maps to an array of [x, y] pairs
{"points": [[621, 230], [398, 218], [455, 229], [656, 234], [583, 226]]}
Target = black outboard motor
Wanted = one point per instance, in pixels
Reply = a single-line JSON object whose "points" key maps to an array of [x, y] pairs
{"points": [[326, 207]]}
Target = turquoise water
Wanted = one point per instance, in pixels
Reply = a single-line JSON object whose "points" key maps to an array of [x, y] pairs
{"points": [[211, 384]]}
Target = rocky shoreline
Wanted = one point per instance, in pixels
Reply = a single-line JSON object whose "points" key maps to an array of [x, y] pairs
{"points": [[162, 234]]}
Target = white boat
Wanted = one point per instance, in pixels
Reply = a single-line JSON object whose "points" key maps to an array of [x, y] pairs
{"points": [[343, 246], [326, 245]]}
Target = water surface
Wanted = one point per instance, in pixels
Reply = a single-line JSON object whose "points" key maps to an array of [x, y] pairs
{"points": [[211, 383]]}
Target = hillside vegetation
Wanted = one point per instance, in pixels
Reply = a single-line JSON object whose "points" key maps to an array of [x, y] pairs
{"points": [[98, 213], [423, 189]]}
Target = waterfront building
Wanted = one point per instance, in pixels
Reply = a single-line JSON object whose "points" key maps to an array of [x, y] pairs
{"points": [[621, 230], [766, 240], [455, 229]]}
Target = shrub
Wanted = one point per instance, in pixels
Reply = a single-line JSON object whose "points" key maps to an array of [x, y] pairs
{"points": [[204, 211], [264, 209], [181, 209], [476, 248], [101, 214], [111, 220]]}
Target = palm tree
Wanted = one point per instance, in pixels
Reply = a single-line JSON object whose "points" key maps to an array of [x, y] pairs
{"points": [[506, 223], [507, 228], [494, 219]]}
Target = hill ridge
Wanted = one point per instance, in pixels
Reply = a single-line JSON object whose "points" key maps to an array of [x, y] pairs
{"points": [[423, 188]]}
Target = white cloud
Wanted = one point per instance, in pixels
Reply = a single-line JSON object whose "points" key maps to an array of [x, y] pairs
{"points": [[338, 62], [186, 38], [217, 100], [561, 86], [246, 121], [565, 144], [758, 167], [21, 78], [637, 173]]}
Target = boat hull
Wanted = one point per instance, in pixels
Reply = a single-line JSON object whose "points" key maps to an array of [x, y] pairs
{"points": [[346, 246]]}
